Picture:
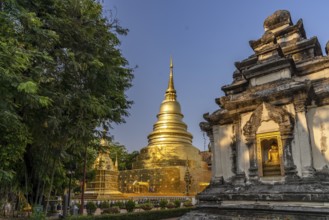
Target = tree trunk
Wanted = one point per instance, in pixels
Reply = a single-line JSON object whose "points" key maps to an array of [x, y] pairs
{"points": [[83, 182], [51, 184], [36, 200]]}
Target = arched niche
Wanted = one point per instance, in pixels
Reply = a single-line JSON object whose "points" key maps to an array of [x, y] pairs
{"points": [[268, 123]]}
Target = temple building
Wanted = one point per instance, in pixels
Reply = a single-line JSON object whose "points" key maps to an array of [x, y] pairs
{"points": [[170, 164], [105, 184], [269, 137]]}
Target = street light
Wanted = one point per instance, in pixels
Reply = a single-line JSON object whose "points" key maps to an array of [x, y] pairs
{"points": [[70, 172]]}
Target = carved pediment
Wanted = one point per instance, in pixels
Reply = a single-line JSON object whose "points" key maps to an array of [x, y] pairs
{"points": [[267, 112]]}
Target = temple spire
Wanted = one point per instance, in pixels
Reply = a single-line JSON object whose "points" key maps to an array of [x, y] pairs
{"points": [[116, 162], [171, 92]]}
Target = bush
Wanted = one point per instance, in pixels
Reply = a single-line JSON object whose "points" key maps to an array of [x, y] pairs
{"points": [[104, 205], [163, 204], [38, 216], [150, 215], [188, 203], [170, 205], [147, 206], [121, 205], [111, 210], [177, 203], [130, 205], [91, 208]]}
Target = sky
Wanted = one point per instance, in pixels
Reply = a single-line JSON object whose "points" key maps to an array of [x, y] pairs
{"points": [[204, 38]]}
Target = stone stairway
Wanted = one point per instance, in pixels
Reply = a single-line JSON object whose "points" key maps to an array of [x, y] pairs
{"points": [[271, 170]]}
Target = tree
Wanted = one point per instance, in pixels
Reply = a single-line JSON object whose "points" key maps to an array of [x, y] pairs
{"points": [[63, 75], [18, 89], [119, 152]]}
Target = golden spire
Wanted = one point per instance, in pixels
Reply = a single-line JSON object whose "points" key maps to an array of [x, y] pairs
{"points": [[170, 128], [116, 162], [171, 92]]}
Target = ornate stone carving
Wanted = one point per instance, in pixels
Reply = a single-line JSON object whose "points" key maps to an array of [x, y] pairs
{"points": [[234, 154], [206, 127], [278, 18], [286, 125], [275, 73]]}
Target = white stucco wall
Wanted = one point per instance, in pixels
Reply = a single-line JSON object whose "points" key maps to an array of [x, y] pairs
{"points": [[217, 170], [319, 121], [267, 126], [243, 162], [282, 74], [223, 140], [314, 76]]}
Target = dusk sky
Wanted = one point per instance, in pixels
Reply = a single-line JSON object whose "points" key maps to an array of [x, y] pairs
{"points": [[205, 38]]}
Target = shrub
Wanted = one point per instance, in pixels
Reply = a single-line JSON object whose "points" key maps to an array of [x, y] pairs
{"points": [[156, 205], [177, 203], [150, 215], [111, 210], [121, 205], [38, 216], [104, 205], [130, 205], [147, 206], [188, 203], [91, 208], [163, 204], [170, 205]]}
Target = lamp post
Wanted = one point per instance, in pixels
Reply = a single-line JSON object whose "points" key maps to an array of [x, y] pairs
{"points": [[70, 172]]}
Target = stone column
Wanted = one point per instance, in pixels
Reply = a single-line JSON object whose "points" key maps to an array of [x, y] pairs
{"points": [[216, 169], [289, 165], [253, 170], [304, 139]]}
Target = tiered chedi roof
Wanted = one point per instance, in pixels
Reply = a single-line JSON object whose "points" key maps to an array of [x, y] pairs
{"points": [[279, 95], [169, 144], [161, 166]]}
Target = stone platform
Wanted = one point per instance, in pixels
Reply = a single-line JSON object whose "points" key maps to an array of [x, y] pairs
{"points": [[259, 212], [302, 199]]}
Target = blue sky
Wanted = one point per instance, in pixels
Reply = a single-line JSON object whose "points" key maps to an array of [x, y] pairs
{"points": [[205, 38]]}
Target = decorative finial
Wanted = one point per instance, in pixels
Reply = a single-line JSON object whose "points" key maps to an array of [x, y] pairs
{"points": [[171, 92], [171, 64], [116, 161]]}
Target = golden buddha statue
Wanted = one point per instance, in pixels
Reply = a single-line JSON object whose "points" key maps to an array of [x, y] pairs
{"points": [[273, 157]]}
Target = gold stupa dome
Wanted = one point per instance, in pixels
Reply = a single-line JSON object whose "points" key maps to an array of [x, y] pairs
{"points": [[170, 107], [170, 127], [163, 162]]}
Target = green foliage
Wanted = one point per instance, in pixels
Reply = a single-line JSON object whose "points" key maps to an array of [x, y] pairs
{"points": [[62, 75], [104, 205], [28, 87], [188, 203], [91, 208], [125, 159], [151, 215], [38, 216], [130, 205], [170, 205], [177, 203], [111, 210], [147, 206], [163, 204], [121, 205]]}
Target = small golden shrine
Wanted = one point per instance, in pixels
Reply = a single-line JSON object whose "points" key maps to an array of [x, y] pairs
{"points": [[161, 166], [105, 183]]}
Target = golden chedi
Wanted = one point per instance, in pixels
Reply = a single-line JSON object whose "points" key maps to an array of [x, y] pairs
{"points": [[161, 166], [105, 183]]}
